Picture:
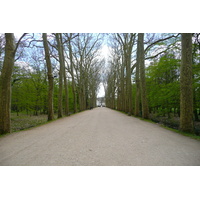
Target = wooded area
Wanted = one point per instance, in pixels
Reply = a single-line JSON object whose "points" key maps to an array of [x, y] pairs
{"points": [[153, 76]]}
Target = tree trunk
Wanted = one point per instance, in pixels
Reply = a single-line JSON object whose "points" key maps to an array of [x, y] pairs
{"points": [[129, 84], [145, 109], [65, 77], [137, 97], [81, 85], [5, 84], [66, 94], [137, 82], [122, 87], [60, 94], [74, 95], [186, 91], [73, 81], [50, 78]]}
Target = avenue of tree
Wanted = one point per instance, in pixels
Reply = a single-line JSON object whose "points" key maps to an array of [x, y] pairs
{"points": [[54, 74], [155, 74], [58, 74]]}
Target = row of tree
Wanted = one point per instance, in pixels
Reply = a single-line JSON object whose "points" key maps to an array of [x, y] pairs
{"points": [[155, 73], [61, 73], [48, 73]]}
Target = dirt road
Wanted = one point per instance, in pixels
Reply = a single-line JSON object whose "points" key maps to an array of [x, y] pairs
{"points": [[98, 137]]}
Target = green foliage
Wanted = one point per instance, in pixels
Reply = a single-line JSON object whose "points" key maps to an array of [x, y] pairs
{"points": [[29, 91], [163, 84]]}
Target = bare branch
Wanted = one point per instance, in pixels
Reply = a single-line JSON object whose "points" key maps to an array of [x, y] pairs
{"points": [[160, 40], [19, 42]]}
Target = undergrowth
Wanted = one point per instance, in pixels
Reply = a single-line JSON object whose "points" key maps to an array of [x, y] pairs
{"points": [[24, 121]]}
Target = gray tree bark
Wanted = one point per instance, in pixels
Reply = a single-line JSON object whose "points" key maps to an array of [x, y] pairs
{"points": [[126, 41], [129, 83], [50, 78], [186, 91], [64, 77], [60, 94], [5, 84], [145, 108], [122, 88], [72, 74], [137, 97], [137, 81]]}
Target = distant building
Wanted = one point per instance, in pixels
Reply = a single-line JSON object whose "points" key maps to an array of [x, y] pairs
{"points": [[101, 102]]}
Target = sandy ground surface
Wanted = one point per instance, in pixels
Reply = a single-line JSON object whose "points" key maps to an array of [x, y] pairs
{"points": [[99, 137]]}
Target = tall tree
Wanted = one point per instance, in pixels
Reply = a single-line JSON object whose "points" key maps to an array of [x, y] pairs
{"points": [[127, 41], [145, 109], [5, 83], [72, 74], [64, 77], [61, 72], [85, 51], [66, 93], [186, 91], [50, 78], [137, 82]]}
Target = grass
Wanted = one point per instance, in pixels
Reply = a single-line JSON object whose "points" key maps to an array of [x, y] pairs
{"points": [[191, 135], [197, 137], [24, 121]]}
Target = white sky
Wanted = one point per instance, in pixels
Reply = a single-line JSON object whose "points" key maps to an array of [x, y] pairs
{"points": [[101, 92], [104, 54]]}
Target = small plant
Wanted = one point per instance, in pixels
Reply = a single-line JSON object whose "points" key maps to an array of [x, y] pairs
{"points": [[24, 121]]}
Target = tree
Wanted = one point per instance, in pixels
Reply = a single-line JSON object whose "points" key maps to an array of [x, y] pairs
{"points": [[145, 108], [186, 86], [196, 74], [64, 76], [85, 52], [61, 74], [121, 63], [50, 78], [137, 82], [114, 80], [72, 73], [5, 83]]}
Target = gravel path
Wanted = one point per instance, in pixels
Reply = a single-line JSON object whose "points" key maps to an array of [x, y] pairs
{"points": [[98, 137]]}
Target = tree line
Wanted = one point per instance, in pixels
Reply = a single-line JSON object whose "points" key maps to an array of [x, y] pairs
{"points": [[56, 73], [59, 73], [155, 74]]}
